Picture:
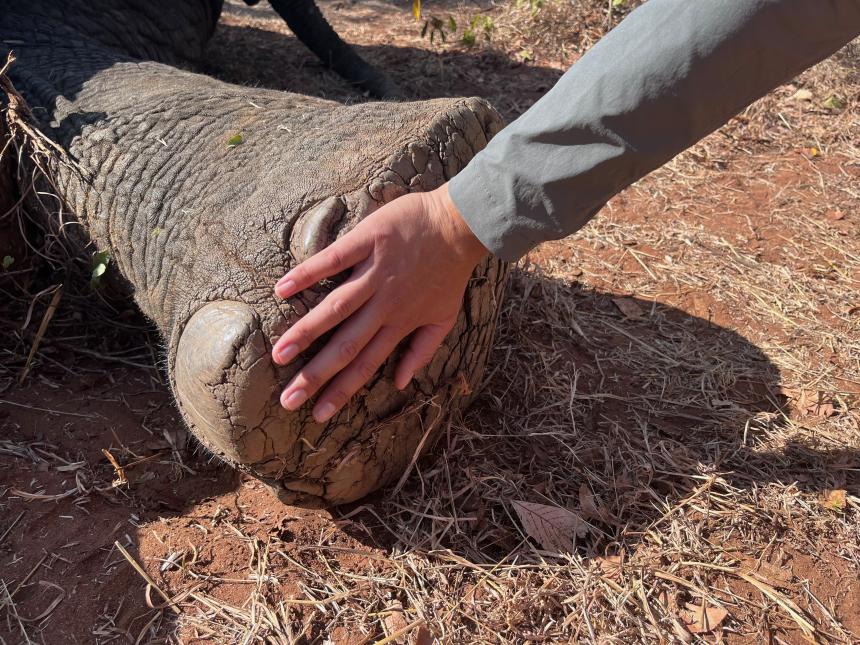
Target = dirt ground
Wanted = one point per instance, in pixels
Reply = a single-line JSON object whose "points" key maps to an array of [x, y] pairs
{"points": [[683, 376]]}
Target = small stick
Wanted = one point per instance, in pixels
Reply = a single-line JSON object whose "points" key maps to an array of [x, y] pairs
{"points": [[48, 410], [323, 601], [11, 526], [120, 471], [146, 577], [417, 452], [43, 327], [24, 581], [400, 632], [13, 611]]}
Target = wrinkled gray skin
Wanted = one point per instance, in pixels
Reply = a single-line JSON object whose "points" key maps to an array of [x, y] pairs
{"points": [[202, 231]]}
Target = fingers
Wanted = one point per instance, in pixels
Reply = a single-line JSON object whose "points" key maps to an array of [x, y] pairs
{"points": [[339, 256], [422, 348], [343, 348], [356, 375], [333, 310]]}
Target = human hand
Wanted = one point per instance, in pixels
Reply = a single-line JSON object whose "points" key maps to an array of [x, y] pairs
{"points": [[410, 261]]}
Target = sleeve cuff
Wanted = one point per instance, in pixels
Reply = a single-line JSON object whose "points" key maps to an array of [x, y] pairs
{"points": [[488, 216]]}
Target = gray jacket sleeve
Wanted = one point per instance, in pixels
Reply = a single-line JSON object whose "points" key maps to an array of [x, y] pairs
{"points": [[669, 74]]}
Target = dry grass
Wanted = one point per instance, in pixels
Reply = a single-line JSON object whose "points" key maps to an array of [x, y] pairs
{"points": [[683, 375], [555, 30]]}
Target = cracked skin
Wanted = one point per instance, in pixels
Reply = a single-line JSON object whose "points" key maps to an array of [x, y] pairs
{"points": [[201, 230]]}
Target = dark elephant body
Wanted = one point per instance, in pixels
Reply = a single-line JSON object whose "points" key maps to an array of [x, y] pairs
{"points": [[204, 193]]}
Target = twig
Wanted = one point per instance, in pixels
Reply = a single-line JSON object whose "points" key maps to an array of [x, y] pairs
{"points": [[43, 327], [418, 449], [11, 526], [400, 632], [146, 577], [25, 579]]}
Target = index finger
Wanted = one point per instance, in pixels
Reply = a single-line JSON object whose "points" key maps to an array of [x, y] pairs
{"points": [[339, 256]]}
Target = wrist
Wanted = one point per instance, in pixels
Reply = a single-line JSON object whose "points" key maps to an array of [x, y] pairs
{"points": [[459, 234]]}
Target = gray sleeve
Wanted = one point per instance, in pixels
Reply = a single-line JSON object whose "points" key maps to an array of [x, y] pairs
{"points": [[672, 72]]}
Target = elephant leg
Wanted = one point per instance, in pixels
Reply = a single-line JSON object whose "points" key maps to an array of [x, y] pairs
{"points": [[205, 193], [310, 26]]}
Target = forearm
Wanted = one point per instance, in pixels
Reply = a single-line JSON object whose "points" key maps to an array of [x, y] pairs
{"points": [[671, 73]]}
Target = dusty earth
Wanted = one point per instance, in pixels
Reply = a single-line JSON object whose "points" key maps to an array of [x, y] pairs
{"points": [[682, 378]]}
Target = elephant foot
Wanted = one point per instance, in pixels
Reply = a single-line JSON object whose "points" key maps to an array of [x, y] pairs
{"points": [[227, 387]]}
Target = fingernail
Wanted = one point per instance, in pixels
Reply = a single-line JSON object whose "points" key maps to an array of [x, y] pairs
{"points": [[294, 400], [324, 412], [285, 287], [288, 353]]}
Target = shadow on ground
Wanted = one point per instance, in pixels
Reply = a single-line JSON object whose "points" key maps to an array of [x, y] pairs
{"points": [[248, 55], [618, 409]]}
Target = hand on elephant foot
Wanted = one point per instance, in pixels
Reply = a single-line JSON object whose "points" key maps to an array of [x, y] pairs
{"points": [[225, 381], [410, 262]]}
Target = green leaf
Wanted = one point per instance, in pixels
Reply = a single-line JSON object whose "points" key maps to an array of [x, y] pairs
{"points": [[416, 9], [98, 266], [234, 141], [452, 24], [488, 26], [618, 3], [8, 261], [833, 102], [101, 257]]}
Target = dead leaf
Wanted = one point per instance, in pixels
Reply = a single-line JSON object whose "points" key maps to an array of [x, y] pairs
{"points": [[833, 102], [553, 527], [395, 620], [824, 410], [802, 95], [813, 404], [702, 622], [834, 499], [588, 503], [610, 565], [541, 487], [424, 636], [835, 215], [629, 308]]}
